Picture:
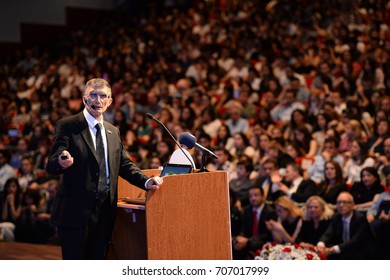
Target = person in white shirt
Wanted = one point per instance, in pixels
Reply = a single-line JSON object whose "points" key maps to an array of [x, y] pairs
{"points": [[235, 122], [299, 189], [358, 159], [281, 113]]}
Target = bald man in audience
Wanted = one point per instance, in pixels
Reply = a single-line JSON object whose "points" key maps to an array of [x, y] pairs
{"points": [[349, 235]]}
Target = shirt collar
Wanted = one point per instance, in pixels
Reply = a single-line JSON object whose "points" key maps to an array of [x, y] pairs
{"points": [[90, 119], [297, 181], [258, 209], [348, 219]]}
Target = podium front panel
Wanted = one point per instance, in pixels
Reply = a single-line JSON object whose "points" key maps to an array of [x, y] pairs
{"points": [[189, 218]]}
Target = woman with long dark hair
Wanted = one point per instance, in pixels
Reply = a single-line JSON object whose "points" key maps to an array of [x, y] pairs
{"points": [[298, 118], [11, 205], [241, 146], [319, 132], [304, 139], [333, 184], [365, 192], [375, 143], [223, 138], [358, 159]]}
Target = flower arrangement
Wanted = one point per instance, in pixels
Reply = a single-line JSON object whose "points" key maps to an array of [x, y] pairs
{"points": [[275, 251]]}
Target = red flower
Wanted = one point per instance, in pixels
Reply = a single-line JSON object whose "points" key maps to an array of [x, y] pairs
{"points": [[311, 248], [258, 252], [274, 243], [297, 246], [287, 250], [266, 247], [309, 256]]}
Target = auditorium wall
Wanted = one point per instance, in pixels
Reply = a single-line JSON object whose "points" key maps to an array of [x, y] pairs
{"points": [[18, 13]]}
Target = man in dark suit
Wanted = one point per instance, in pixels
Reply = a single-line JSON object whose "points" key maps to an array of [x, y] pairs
{"points": [[270, 167], [85, 204], [298, 189], [254, 232], [349, 235]]}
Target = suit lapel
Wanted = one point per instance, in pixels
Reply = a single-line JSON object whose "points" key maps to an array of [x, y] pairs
{"points": [[352, 224], [88, 139], [110, 144], [86, 134]]}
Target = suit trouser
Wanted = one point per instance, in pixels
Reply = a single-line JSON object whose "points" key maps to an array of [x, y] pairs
{"points": [[89, 242]]}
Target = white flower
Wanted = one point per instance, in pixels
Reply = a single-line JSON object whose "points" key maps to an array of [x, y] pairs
{"points": [[273, 251]]}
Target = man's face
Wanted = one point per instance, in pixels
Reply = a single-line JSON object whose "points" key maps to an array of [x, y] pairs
{"points": [[241, 171], [291, 174], [289, 98], [22, 146], [385, 105], [255, 197], [345, 204], [221, 156], [97, 100], [330, 148], [269, 168], [235, 114]]}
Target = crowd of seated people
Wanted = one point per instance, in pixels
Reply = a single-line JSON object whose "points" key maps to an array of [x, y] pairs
{"points": [[285, 97]]}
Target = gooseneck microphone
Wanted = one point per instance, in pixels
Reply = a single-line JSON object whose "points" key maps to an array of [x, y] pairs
{"points": [[189, 141], [150, 116]]}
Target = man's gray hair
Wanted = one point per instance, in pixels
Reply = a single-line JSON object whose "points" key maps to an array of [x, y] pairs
{"points": [[97, 83]]}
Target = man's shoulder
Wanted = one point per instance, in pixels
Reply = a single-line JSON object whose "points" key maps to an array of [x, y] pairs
{"points": [[357, 215], [308, 182], [110, 126], [269, 211], [72, 119], [7, 168]]}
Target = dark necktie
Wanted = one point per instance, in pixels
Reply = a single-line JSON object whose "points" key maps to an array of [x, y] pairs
{"points": [[255, 224], [345, 231], [102, 184]]}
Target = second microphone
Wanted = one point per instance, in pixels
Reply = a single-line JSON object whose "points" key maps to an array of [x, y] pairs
{"points": [[189, 141]]}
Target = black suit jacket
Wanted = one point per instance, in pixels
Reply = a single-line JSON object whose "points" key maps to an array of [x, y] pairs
{"points": [[264, 235], [76, 195], [361, 244], [271, 196], [305, 189], [332, 194]]}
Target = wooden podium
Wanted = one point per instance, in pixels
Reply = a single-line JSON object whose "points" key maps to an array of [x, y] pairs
{"points": [[188, 218]]}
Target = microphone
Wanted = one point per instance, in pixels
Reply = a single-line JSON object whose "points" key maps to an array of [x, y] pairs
{"points": [[189, 141], [150, 116]]}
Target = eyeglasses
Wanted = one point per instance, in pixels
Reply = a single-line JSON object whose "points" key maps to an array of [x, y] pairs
{"points": [[102, 96], [344, 202]]}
